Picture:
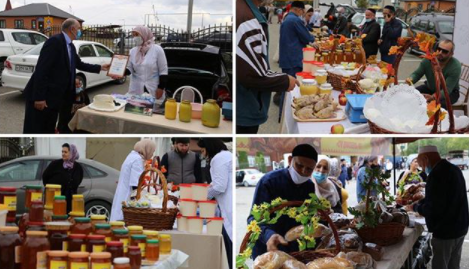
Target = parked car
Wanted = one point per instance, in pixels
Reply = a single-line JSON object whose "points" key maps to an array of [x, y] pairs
{"points": [[359, 20], [223, 40], [248, 177], [129, 41], [459, 158], [439, 25], [200, 66], [19, 68], [16, 41], [98, 186]]}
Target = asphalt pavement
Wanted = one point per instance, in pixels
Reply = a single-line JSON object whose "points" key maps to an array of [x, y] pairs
{"points": [[12, 105], [245, 195]]}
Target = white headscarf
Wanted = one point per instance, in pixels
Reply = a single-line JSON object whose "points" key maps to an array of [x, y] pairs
{"points": [[326, 189]]}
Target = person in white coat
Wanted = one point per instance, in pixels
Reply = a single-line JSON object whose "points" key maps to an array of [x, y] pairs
{"points": [[131, 170], [221, 188], [147, 65]]}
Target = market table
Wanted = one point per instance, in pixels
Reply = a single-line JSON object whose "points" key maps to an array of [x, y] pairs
{"points": [[290, 126], [121, 122], [205, 251], [177, 259]]}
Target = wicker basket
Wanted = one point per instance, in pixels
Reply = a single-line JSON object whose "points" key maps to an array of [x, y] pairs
{"points": [[306, 255], [157, 219], [384, 234]]}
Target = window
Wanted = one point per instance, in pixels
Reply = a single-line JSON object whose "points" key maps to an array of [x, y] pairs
{"points": [[3, 24], [103, 52], [252, 161], [422, 26], [267, 161], [33, 24], [2, 37], [38, 39], [431, 27], [357, 19], [22, 37], [20, 171], [446, 27], [420, 6], [86, 51], [19, 24], [94, 172], [35, 51]]}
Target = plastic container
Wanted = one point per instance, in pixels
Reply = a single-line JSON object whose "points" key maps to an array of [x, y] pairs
{"points": [[309, 87], [8, 198], [10, 248], [170, 109], [100, 260], [211, 114], [77, 243], [181, 223], [60, 205], [34, 250], [116, 248], [207, 209], [33, 193], [325, 88], [185, 111], [57, 259], [196, 111], [316, 66], [195, 225], [139, 240], [153, 250], [78, 204], [151, 234], [200, 191], [307, 66], [308, 54], [214, 226], [104, 229], [185, 191], [188, 207], [354, 107], [78, 260], [165, 244], [321, 76], [122, 235], [135, 257], [3, 214], [95, 243]]}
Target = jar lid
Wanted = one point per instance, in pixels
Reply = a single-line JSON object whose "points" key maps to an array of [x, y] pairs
{"points": [[82, 220], [8, 189], [187, 200], [309, 81], [53, 186], [55, 217], [185, 185], [77, 236], [201, 184], [209, 202], [36, 233], [114, 244], [57, 253], [148, 232], [48, 207], [59, 197], [185, 102], [321, 71], [134, 248], [138, 236], [309, 49], [318, 63], [76, 214], [121, 260], [78, 255], [326, 85], [195, 217], [3, 207], [153, 241], [117, 223], [165, 236], [216, 218], [171, 99], [180, 216], [211, 101], [100, 255], [135, 228], [308, 62], [9, 229], [103, 226], [78, 196], [120, 231], [34, 187], [98, 217], [95, 237]]}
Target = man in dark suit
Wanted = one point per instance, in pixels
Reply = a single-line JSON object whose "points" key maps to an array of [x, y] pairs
{"points": [[372, 30], [51, 90], [392, 30]]}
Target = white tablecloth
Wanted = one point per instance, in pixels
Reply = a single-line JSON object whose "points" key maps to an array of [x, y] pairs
{"points": [[291, 126], [177, 259]]}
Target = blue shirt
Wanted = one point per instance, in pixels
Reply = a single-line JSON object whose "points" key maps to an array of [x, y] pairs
{"points": [[294, 36], [271, 186], [360, 179], [69, 42]]}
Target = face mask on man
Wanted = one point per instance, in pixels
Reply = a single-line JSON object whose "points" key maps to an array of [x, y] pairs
{"points": [[320, 177], [138, 40], [296, 177], [368, 20]]}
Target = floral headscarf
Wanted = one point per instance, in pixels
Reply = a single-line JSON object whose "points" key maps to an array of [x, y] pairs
{"points": [[147, 37], [74, 156]]}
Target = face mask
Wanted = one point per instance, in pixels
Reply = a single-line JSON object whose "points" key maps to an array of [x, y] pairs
{"points": [[368, 20], [320, 177], [78, 90], [79, 34], [296, 177], [428, 170], [138, 40]]}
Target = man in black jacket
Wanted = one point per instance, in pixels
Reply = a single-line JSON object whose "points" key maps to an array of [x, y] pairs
{"points": [[392, 30], [51, 89], [445, 208], [340, 27], [372, 30]]}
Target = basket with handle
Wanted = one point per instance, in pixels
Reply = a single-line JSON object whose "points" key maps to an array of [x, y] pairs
{"points": [[183, 88], [152, 218], [304, 256]]}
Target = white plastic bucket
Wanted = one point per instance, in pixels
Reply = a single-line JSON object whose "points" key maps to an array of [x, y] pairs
{"points": [[214, 226], [207, 209], [185, 191], [188, 207], [200, 191], [182, 223], [195, 225]]}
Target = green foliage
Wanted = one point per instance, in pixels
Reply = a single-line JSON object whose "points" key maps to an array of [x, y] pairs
{"points": [[362, 3], [444, 145]]}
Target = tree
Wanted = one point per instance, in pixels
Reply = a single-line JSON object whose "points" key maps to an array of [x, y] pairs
{"points": [[362, 3]]}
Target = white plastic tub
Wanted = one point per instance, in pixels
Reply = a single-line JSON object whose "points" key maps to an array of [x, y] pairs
{"points": [[195, 225], [188, 207], [200, 191], [214, 226], [3, 215], [207, 209], [182, 223], [185, 191], [307, 66], [308, 54]]}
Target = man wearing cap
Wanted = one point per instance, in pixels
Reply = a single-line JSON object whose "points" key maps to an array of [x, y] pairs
{"points": [[292, 184], [182, 165], [371, 31], [392, 30], [444, 207]]}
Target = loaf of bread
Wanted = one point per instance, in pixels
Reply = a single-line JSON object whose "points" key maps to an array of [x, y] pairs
{"points": [[330, 263], [374, 250], [271, 260], [293, 264]]}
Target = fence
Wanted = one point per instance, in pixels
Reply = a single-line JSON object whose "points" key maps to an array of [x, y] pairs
{"points": [[120, 40], [10, 149]]}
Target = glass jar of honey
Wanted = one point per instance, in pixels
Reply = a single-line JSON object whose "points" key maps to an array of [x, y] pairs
{"points": [[151, 234], [100, 260], [117, 225], [36, 211], [104, 229], [95, 243], [139, 240], [185, 111], [36, 226], [135, 230], [116, 248], [81, 226], [58, 239], [77, 243], [135, 256], [60, 206], [34, 250], [10, 248], [95, 219], [122, 263], [57, 259], [348, 55], [165, 244], [33, 194], [309, 87], [8, 198], [52, 191], [78, 204], [153, 250], [122, 236], [79, 260], [321, 76]]}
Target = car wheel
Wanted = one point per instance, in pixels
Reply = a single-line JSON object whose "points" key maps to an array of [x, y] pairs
{"points": [[121, 80], [98, 208], [82, 79], [246, 184]]}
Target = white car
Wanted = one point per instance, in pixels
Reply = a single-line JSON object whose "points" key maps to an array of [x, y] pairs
{"points": [[359, 20], [248, 177], [19, 68]]}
